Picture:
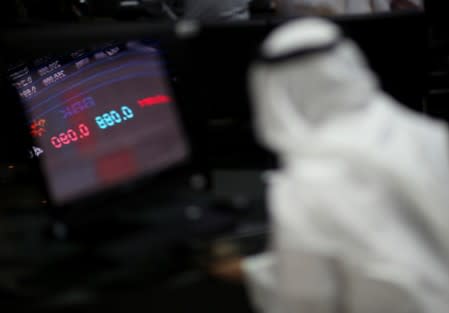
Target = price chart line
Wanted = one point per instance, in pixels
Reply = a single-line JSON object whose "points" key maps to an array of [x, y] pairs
{"points": [[150, 65], [102, 85]]}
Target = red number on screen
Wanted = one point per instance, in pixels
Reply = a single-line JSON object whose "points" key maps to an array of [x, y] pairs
{"points": [[56, 142], [64, 138], [70, 136], [84, 131]]}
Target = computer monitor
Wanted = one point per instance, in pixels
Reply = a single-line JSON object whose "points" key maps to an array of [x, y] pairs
{"points": [[100, 116]]}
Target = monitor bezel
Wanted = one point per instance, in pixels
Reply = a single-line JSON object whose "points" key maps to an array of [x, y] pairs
{"points": [[30, 42]]}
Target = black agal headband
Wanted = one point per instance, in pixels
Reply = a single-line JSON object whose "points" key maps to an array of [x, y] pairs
{"points": [[298, 53]]}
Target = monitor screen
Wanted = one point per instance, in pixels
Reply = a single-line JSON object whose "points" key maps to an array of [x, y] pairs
{"points": [[100, 117]]}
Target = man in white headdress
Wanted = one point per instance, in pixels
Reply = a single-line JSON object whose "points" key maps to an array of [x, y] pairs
{"points": [[359, 204]]}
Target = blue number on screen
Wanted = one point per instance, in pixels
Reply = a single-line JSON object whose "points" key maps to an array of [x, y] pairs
{"points": [[108, 119], [100, 122], [117, 118], [127, 112]]}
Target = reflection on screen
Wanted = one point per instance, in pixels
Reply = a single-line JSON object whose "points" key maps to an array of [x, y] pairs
{"points": [[100, 117]]}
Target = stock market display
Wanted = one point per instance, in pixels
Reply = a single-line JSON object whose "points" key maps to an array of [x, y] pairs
{"points": [[100, 117]]}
